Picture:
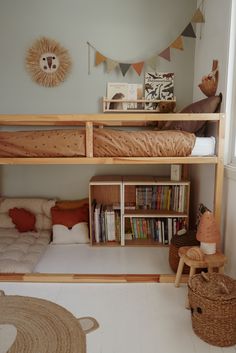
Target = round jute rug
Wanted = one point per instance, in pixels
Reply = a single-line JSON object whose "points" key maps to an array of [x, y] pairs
{"points": [[42, 326]]}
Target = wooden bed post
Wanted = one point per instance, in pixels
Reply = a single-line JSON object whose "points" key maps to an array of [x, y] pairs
{"points": [[89, 139], [219, 171]]}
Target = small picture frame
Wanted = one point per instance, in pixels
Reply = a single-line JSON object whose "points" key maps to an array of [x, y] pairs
{"points": [[175, 172]]}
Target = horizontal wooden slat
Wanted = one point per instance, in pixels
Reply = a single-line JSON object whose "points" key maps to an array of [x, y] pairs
{"points": [[77, 119], [89, 278], [111, 160], [154, 213]]}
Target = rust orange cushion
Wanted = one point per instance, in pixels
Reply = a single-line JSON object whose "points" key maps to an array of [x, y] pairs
{"points": [[23, 219], [69, 217], [69, 204]]}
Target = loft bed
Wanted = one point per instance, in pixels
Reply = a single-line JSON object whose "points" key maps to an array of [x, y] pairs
{"points": [[89, 122]]}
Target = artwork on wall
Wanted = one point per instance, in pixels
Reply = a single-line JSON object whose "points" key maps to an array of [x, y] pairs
{"points": [[158, 86], [48, 62], [165, 54]]}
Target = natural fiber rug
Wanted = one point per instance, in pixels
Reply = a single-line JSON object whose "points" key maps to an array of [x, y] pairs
{"points": [[41, 327]]}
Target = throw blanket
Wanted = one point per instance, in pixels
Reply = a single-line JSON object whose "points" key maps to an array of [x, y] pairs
{"points": [[107, 143]]}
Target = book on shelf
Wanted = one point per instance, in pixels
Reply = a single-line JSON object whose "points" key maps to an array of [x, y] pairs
{"points": [[158, 86], [117, 90], [110, 222], [97, 225], [144, 197], [157, 229], [117, 225], [124, 91], [135, 92], [161, 197], [106, 221], [92, 220]]}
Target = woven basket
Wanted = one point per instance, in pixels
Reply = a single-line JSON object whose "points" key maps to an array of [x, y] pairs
{"points": [[188, 239], [212, 298]]}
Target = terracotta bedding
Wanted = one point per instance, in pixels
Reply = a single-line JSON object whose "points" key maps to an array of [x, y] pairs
{"points": [[107, 143]]}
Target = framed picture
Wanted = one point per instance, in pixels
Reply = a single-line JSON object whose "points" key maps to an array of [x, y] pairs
{"points": [[158, 86]]}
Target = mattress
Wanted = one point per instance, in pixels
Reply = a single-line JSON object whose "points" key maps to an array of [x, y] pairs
{"points": [[106, 143], [204, 146], [20, 252]]}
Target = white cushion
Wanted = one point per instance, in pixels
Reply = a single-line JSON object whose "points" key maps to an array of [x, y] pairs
{"points": [[32, 204], [78, 234], [43, 222], [41, 208], [6, 221]]}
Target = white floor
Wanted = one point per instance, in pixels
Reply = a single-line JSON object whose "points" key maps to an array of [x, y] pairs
{"points": [[133, 318], [85, 259]]}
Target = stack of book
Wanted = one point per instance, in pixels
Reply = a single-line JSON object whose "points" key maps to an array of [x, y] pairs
{"points": [[162, 197], [157, 229], [144, 197], [172, 198], [105, 223]]}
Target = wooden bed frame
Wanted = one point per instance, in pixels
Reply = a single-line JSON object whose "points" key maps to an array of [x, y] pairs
{"points": [[115, 119]]}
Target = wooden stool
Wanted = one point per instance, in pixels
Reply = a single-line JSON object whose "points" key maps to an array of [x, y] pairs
{"points": [[216, 260]]}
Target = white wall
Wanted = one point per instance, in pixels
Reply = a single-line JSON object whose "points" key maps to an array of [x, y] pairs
{"points": [[214, 44], [230, 222], [124, 30]]}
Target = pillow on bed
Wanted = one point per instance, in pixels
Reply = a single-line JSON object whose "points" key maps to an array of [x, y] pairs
{"points": [[69, 217], [24, 220], [70, 204], [34, 205], [207, 105], [78, 234]]}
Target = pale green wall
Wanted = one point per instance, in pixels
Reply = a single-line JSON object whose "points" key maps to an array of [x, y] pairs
{"points": [[124, 30]]}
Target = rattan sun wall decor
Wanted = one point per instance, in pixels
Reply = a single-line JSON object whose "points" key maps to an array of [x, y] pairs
{"points": [[48, 62]]}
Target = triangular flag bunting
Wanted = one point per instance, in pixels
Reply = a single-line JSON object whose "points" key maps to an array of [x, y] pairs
{"points": [[188, 31], [111, 65], [178, 44], [165, 54], [152, 62], [138, 67], [124, 68], [198, 17], [99, 58]]}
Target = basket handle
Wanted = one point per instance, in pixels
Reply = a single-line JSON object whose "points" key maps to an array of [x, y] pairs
{"points": [[205, 276], [223, 288]]}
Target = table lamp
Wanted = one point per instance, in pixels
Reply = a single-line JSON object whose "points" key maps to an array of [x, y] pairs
{"points": [[208, 233]]}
